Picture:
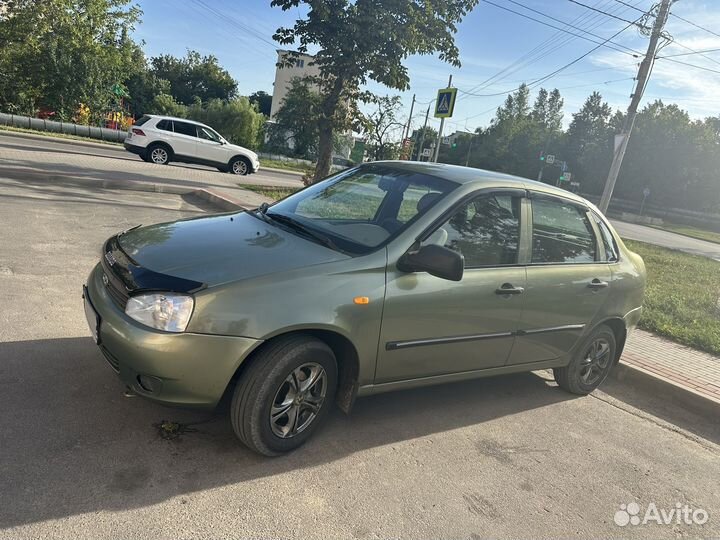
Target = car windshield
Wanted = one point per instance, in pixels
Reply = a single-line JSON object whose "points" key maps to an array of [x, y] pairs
{"points": [[361, 209]]}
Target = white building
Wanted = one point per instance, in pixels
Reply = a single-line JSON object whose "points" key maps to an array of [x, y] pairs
{"points": [[302, 67]]}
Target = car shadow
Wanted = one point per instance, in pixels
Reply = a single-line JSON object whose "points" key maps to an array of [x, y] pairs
{"points": [[72, 443]]}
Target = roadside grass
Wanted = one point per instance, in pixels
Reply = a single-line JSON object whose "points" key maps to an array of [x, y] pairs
{"points": [[272, 192], [682, 298], [285, 165], [57, 135], [687, 230]]}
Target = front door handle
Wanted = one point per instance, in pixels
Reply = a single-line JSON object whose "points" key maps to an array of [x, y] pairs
{"points": [[507, 288], [598, 284]]}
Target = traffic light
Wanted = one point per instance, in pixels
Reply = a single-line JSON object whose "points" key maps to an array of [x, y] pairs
{"points": [[542, 156], [454, 145]]}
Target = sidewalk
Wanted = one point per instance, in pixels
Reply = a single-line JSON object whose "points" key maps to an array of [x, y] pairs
{"points": [[688, 369]]}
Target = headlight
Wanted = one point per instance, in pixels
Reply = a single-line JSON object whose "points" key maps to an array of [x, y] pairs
{"points": [[169, 312]]}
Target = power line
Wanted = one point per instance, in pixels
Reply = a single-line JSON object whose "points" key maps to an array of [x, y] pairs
{"points": [[543, 49], [630, 6], [634, 53], [688, 53], [693, 51], [694, 24], [606, 13], [562, 68], [688, 64]]}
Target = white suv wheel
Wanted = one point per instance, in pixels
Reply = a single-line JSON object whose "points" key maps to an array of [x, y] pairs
{"points": [[159, 155], [240, 167]]}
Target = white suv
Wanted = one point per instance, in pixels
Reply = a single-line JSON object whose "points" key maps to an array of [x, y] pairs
{"points": [[162, 139]]}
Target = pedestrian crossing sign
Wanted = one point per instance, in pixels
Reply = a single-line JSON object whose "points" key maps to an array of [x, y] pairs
{"points": [[445, 103]]}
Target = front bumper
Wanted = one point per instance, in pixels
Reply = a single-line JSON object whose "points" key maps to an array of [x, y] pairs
{"points": [[184, 369]]}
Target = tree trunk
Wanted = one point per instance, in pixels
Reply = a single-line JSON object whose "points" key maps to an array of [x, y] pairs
{"points": [[325, 150]]}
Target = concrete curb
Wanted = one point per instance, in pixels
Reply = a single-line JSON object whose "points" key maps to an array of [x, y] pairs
{"points": [[32, 136], [223, 202], [658, 385]]}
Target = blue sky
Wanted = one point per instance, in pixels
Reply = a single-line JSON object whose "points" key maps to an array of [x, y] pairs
{"points": [[490, 39]]}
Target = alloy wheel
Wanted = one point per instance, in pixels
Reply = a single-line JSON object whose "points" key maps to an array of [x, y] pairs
{"points": [[159, 156], [595, 361], [298, 400], [240, 167]]}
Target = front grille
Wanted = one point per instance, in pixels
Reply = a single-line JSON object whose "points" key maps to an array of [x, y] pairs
{"points": [[114, 363]]}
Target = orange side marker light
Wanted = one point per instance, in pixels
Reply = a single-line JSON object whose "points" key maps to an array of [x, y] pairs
{"points": [[361, 300]]}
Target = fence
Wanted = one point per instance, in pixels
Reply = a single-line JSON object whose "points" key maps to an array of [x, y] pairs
{"points": [[68, 128]]}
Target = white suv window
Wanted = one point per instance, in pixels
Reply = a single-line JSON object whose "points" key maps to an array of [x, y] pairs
{"points": [[208, 134], [185, 128], [165, 125]]}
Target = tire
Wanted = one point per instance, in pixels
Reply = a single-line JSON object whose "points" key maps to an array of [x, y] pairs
{"points": [[269, 384], [222, 169], [240, 166], [590, 364], [159, 154], [145, 156]]}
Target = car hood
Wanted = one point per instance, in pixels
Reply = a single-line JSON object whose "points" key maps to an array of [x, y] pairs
{"points": [[218, 249]]}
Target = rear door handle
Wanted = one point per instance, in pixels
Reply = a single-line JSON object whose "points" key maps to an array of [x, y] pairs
{"points": [[598, 284], [507, 288]]}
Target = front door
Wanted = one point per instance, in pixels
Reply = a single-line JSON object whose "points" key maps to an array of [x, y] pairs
{"points": [[568, 281], [210, 147], [433, 326]]}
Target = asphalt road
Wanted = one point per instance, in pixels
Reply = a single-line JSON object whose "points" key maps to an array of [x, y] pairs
{"points": [[72, 150], [506, 457]]}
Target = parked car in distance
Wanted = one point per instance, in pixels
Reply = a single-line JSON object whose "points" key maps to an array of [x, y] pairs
{"points": [[389, 275], [162, 139]]}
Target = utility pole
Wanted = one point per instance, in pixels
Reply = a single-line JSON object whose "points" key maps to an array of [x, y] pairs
{"points": [[422, 134], [467, 158], [643, 75], [406, 132], [440, 131]]}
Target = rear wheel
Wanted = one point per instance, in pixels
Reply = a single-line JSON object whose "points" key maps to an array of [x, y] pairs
{"points": [[590, 365], [159, 154], [240, 165], [285, 395]]}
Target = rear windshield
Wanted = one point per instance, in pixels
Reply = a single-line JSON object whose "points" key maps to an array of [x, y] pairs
{"points": [[142, 120]]}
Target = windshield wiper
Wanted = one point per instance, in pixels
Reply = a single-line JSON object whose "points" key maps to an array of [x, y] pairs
{"points": [[296, 225]]}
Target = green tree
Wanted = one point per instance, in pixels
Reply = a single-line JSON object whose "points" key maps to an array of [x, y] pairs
{"points": [[262, 100], [57, 54], [358, 40], [588, 144], [194, 77], [428, 138], [237, 120], [295, 124], [382, 128]]}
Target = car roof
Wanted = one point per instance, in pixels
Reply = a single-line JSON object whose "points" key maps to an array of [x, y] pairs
{"points": [[178, 119], [470, 175]]}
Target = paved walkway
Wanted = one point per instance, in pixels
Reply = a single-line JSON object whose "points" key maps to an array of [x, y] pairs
{"points": [[682, 366]]}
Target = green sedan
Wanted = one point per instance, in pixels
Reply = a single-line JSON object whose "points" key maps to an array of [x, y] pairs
{"points": [[389, 275]]}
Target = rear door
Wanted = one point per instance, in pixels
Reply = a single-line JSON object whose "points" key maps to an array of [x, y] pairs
{"points": [[568, 280], [184, 140], [432, 326]]}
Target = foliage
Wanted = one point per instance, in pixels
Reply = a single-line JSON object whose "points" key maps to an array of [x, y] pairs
{"points": [[364, 40], [165, 104], [421, 141], [262, 100], [237, 120], [382, 128], [684, 310], [295, 124], [194, 77], [57, 54]]}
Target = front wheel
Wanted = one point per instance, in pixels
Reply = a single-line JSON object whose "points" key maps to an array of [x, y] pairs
{"points": [[591, 363], [285, 395], [240, 165]]}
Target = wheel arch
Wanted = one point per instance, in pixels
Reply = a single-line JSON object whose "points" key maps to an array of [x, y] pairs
{"points": [[346, 356], [240, 156], [617, 325], [164, 144]]}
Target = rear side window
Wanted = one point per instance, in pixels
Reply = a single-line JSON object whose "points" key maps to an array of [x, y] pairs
{"points": [[142, 120], [561, 233], [609, 245], [165, 125], [183, 128]]}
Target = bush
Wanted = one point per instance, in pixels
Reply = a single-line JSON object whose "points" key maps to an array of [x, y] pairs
{"points": [[237, 120]]}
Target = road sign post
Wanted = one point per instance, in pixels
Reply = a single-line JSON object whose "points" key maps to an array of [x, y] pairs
{"points": [[444, 107]]}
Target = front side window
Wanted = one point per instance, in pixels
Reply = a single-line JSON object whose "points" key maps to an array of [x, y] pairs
{"points": [[184, 128], [208, 134], [362, 208], [486, 231], [561, 233]]}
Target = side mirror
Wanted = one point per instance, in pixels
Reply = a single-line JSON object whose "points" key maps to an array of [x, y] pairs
{"points": [[436, 260]]}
